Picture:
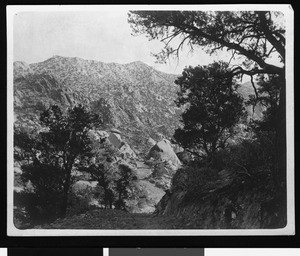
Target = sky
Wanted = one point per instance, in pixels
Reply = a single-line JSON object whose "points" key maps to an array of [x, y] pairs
{"points": [[100, 35]]}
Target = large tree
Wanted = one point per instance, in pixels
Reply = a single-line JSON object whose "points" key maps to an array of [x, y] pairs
{"points": [[60, 146], [213, 107], [254, 36]]}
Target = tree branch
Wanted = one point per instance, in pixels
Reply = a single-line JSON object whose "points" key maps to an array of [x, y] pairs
{"points": [[278, 46]]}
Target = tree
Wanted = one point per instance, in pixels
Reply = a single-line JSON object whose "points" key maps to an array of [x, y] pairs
{"points": [[104, 171], [123, 185], [213, 107], [43, 199], [265, 128], [268, 88], [59, 149], [255, 36]]}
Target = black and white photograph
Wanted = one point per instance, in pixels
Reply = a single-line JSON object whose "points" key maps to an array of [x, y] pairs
{"points": [[150, 120]]}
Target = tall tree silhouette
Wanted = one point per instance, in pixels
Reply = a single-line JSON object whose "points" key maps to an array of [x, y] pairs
{"points": [[213, 107], [253, 36], [61, 146]]}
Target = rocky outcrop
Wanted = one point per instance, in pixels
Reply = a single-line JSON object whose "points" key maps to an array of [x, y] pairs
{"points": [[164, 152], [229, 199], [131, 91]]}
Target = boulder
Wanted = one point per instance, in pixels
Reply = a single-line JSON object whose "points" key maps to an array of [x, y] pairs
{"points": [[126, 151], [115, 139], [163, 151], [151, 141]]}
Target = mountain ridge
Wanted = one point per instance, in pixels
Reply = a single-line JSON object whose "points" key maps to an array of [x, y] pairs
{"points": [[140, 98]]}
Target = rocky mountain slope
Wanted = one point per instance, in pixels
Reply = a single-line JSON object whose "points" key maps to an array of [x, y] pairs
{"points": [[140, 98]]}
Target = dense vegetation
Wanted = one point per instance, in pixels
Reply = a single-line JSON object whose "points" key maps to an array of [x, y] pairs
{"points": [[213, 108], [51, 158]]}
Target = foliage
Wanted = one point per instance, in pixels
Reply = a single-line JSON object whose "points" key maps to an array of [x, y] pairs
{"points": [[268, 91], [43, 199], [213, 107], [115, 180], [123, 185], [104, 174], [79, 200], [51, 155], [255, 35]]}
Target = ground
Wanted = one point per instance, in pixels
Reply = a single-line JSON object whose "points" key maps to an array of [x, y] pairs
{"points": [[114, 219]]}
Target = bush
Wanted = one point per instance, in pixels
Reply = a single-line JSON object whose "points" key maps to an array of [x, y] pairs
{"points": [[43, 201], [38, 209], [79, 201], [124, 186]]}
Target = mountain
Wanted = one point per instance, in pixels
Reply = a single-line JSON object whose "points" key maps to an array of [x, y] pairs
{"points": [[140, 98]]}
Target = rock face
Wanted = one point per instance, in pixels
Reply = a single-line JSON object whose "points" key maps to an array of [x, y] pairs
{"points": [[163, 151], [140, 98], [227, 201]]}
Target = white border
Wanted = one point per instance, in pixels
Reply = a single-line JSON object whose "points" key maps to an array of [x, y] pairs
{"points": [[289, 15], [251, 251]]}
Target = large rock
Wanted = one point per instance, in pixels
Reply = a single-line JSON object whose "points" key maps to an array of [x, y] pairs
{"points": [[116, 140], [127, 152], [163, 151]]}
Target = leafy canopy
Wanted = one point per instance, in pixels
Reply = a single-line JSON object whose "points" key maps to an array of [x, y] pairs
{"points": [[254, 35], [213, 107], [49, 157]]}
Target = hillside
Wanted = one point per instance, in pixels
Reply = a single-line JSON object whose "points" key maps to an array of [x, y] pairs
{"points": [[140, 98], [138, 103]]}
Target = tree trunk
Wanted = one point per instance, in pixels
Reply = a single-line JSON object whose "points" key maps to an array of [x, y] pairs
{"points": [[65, 193], [281, 172], [281, 138]]}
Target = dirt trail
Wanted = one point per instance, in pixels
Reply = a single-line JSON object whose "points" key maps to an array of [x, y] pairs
{"points": [[113, 219]]}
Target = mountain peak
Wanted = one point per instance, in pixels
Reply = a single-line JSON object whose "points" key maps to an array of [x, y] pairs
{"points": [[137, 63]]}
